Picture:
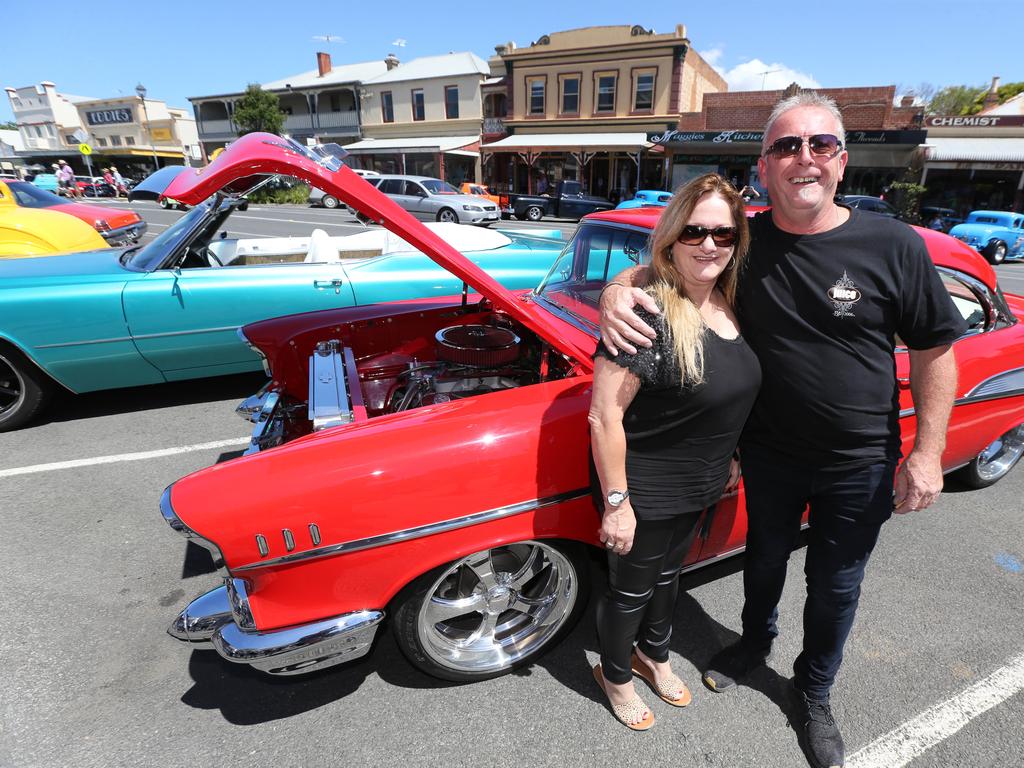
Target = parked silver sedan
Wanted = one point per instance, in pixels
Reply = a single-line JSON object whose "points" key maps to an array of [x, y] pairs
{"points": [[436, 200]]}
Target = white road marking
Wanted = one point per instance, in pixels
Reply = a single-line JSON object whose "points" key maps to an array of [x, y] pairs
{"points": [[915, 737], [117, 458]]}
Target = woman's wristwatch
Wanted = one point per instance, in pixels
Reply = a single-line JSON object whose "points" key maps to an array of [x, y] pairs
{"points": [[615, 497]]}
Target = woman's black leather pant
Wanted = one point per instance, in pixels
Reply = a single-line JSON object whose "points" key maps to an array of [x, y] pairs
{"points": [[641, 596]]}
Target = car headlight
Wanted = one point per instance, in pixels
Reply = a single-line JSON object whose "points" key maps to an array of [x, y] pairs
{"points": [[472, 208]]}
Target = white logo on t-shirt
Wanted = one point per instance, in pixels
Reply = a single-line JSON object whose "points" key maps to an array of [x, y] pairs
{"points": [[843, 295]]}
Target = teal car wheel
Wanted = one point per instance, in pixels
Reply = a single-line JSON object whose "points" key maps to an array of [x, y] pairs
{"points": [[24, 390]]}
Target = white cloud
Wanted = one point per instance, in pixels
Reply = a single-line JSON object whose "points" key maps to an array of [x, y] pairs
{"points": [[756, 75]]}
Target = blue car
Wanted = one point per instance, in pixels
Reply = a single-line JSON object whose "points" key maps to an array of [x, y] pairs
{"points": [[170, 310], [646, 198], [997, 235]]}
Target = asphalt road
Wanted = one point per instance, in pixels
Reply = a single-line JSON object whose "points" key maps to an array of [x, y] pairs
{"points": [[92, 576]]}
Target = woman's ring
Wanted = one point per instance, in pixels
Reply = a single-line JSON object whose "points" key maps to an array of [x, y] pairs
{"points": [[609, 545]]}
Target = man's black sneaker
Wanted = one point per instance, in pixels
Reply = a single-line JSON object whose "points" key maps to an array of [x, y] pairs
{"points": [[821, 734], [732, 664]]}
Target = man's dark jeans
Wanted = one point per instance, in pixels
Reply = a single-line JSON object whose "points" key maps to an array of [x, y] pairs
{"points": [[847, 509]]}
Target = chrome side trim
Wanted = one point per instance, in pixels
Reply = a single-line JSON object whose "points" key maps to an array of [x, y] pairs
{"points": [[261, 545], [1003, 384], [297, 650], [139, 336], [83, 343], [172, 519], [431, 529], [314, 533], [185, 333], [238, 598], [202, 617]]}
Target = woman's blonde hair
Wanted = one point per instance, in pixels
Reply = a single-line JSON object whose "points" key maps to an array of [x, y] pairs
{"points": [[683, 321]]}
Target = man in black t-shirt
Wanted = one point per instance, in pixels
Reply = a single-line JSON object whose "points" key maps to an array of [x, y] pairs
{"points": [[826, 292]]}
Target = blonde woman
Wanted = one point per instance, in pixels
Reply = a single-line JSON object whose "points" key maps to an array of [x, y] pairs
{"points": [[664, 424]]}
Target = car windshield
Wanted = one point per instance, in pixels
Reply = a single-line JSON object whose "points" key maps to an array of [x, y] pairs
{"points": [[151, 256], [596, 253], [30, 196], [438, 187]]}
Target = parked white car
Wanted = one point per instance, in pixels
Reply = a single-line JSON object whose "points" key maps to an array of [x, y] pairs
{"points": [[319, 197], [436, 200]]}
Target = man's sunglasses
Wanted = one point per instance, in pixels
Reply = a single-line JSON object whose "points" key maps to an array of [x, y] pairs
{"points": [[820, 144], [723, 237]]}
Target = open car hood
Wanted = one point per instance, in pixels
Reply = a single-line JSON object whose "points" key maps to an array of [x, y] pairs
{"points": [[253, 157]]}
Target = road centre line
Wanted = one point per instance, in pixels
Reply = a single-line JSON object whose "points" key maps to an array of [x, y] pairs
{"points": [[915, 737], [118, 458]]}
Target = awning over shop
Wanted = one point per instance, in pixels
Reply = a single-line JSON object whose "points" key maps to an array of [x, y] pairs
{"points": [[140, 152], [984, 150], [570, 142], [419, 145]]}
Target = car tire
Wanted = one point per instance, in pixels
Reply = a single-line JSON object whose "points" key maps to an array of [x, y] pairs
{"points": [[995, 462], [329, 201], [24, 389], [448, 216], [494, 611], [995, 252], [534, 213]]}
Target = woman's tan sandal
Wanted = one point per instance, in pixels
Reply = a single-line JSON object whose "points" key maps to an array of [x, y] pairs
{"points": [[631, 714], [671, 690]]}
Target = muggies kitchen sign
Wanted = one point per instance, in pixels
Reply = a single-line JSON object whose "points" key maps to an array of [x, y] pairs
{"points": [[109, 116]]}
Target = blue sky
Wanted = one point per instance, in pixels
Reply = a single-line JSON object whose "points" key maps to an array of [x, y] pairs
{"points": [[187, 48]]}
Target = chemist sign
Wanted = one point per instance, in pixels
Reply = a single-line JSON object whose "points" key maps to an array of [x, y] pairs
{"points": [[109, 116]]}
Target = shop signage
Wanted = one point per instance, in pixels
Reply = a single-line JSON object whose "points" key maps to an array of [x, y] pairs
{"points": [[714, 137], [675, 138], [160, 134], [108, 116], [886, 137], [973, 121]]}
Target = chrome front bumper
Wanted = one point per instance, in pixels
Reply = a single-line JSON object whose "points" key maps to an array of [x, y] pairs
{"points": [[209, 620]]}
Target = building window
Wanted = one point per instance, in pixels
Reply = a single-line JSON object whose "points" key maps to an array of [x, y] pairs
{"points": [[100, 141], [643, 91], [70, 140], [535, 88], [115, 141], [335, 102], [451, 102], [605, 93], [571, 95], [418, 110], [387, 107], [129, 140]]}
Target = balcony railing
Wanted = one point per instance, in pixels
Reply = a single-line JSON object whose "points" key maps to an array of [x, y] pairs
{"points": [[216, 128], [345, 119], [493, 126], [45, 143]]}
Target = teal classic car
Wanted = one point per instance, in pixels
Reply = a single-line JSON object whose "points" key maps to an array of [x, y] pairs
{"points": [[997, 235], [170, 310]]}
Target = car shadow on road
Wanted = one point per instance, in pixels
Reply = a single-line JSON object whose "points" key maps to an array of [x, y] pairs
{"points": [[110, 402]]}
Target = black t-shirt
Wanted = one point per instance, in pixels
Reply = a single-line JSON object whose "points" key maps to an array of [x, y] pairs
{"points": [[679, 439], [821, 312]]}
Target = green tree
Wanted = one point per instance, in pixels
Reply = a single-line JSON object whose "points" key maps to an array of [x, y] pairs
{"points": [[8, 126], [955, 100], [258, 110], [1004, 92]]}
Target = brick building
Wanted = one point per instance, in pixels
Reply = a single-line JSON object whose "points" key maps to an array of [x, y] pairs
{"points": [[725, 136]]}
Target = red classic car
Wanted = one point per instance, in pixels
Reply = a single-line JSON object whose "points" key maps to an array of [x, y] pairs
{"points": [[116, 226], [426, 460]]}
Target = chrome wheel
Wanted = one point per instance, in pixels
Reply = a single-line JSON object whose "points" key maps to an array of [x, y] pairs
{"points": [[533, 213], [12, 389], [486, 613], [1001, 455], [448, 216]]}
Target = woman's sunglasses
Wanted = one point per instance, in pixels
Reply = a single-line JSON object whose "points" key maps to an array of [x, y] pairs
{"points": [[820, 144], [723, 237]]}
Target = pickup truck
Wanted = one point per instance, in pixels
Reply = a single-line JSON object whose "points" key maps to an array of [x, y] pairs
{"points": [[567, 202]]}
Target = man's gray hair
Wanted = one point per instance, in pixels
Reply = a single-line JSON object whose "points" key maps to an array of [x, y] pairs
{"points": [[804, 99]]}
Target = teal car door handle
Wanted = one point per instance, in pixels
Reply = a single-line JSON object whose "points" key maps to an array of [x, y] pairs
{"points": [[336, 283]]}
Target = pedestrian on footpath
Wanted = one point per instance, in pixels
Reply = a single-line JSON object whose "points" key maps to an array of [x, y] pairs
{"points": [[119, 188], [826, 291]]}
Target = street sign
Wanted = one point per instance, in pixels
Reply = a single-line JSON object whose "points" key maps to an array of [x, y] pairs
{"points": [[85, 149]]}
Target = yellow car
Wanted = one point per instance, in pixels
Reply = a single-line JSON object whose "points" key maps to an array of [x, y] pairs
{"points": [[34, 232]]}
